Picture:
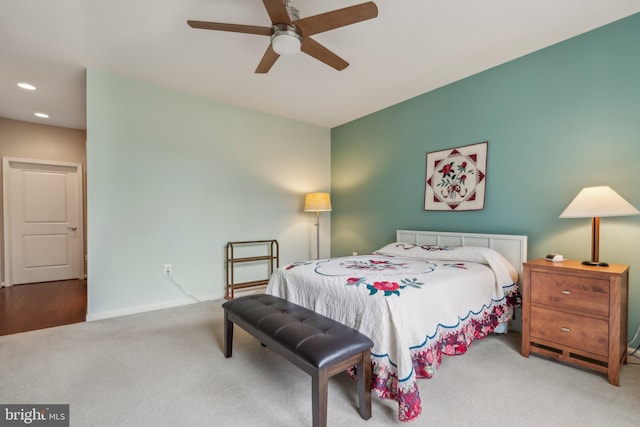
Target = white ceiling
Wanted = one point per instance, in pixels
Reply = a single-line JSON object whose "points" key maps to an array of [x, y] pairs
{"points": [[414, 46]]}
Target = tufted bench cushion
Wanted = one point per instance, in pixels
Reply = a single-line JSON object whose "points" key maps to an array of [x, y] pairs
{"points": [[315, 343]]}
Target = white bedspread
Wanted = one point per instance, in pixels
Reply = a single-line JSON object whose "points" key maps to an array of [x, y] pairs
{"points": [[415, 307]]}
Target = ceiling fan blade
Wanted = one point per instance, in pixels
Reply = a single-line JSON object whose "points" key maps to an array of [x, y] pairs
{"points": [[277, 11], [322, 54], [234, 28], [267, 61], [336, 19]]}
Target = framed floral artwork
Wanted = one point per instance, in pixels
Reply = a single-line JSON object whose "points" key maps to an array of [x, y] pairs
{"points": [[456, 178]]}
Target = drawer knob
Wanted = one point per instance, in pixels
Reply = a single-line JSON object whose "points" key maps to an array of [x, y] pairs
{"points": [[566, 292], [565, 329]]}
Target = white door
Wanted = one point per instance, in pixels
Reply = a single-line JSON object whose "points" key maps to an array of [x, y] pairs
{"points": [[43, 221]]}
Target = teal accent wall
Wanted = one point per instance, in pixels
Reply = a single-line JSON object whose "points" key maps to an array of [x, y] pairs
{"points": [[557, 120], [173, 177]]}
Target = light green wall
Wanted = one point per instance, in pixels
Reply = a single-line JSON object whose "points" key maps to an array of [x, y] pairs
{"points": [[557, 120], [173, 177]]}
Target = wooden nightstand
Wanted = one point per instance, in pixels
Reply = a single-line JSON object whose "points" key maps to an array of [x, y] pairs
{"points": [[576, 313]]}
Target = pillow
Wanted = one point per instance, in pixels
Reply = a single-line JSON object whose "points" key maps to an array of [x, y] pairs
{"points": [[503, 270], [445, 253]]}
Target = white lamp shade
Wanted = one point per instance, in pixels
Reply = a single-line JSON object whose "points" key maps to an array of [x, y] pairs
{"points": [[317, 202], [598, 202], [286, 44]]}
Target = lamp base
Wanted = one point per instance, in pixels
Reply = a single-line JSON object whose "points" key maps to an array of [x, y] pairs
{"points": [[595, 263]]}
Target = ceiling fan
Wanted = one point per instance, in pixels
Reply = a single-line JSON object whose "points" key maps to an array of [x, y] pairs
{"points": [[290, 34]]}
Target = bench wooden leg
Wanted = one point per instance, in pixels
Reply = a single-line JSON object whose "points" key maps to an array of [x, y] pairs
{"points": [[319, 396], [228, 335], [363, 370]]}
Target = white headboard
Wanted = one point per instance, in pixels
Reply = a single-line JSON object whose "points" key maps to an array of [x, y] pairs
{"points": [[512, 247]]}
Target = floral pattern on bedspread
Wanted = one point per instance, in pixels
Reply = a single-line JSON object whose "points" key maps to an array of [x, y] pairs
{"points": [[426, 361], [387, 287], [398, 302], [372, 265]]}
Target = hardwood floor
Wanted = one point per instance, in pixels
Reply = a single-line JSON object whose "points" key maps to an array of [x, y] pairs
{"points": [[42, 305]]}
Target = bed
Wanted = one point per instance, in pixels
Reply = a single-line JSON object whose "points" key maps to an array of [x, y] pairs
{"points": [[426, 295]]}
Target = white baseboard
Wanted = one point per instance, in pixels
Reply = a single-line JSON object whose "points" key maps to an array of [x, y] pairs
{"points": [[145, 308]]}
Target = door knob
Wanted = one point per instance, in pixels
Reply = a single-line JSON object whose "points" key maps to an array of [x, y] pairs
{"points": [[72, 228]]}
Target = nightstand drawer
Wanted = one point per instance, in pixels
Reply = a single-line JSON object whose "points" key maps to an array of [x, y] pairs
{"points": [[572, 292], [580, 332]]}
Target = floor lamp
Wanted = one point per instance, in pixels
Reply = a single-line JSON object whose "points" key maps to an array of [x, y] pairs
{"points": [[595, 202], [317, 202]]}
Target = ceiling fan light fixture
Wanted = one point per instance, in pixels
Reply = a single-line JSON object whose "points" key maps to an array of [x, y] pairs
{"points": [[286, 41]]}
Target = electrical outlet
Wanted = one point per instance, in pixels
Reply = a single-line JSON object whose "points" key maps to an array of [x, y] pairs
{"points": [[167, 269]]}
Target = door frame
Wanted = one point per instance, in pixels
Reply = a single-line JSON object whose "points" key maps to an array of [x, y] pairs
{"points": [[8, 221]]}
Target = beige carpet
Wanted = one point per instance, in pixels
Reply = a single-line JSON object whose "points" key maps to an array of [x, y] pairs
{"points": [[166, 368]]}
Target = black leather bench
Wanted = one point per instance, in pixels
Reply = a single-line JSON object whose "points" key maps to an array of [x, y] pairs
{"points": [[315, 343]]}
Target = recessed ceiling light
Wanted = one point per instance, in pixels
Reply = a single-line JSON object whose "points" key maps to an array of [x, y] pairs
{"points": [[43, 115], [26, 86]]}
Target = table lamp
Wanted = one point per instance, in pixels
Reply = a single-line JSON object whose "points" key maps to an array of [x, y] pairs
{"points": [[596, 202]]}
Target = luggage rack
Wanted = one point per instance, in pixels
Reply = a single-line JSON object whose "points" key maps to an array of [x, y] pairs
{"points": [[272, 257]]}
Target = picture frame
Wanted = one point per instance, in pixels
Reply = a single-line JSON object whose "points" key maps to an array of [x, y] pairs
{"points": [[456, 178]]}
